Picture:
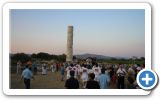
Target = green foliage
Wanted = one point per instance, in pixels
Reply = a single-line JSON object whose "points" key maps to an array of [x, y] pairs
{"points": [[39, 56], [61, 58], [19, 56]]}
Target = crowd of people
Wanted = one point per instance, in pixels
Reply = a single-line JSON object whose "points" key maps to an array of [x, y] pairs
{"points": [[86, 75]]}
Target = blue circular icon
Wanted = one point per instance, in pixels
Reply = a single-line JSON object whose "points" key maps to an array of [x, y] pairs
{"points": [[147, 79]]}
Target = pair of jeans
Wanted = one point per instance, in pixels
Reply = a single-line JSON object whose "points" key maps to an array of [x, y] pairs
{"points": [[27, 83], [120, 82]]}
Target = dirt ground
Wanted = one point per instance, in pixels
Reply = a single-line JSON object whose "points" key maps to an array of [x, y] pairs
{"points": [[50, 81]]}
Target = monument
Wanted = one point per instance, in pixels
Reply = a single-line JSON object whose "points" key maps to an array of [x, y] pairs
{"points": [[69, 53]]}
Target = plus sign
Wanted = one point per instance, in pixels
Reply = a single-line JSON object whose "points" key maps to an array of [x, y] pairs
{"points": [[147, 79]]}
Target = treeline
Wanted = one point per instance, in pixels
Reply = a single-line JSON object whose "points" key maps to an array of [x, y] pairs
{"points": [[62, 58], [39, 56]]}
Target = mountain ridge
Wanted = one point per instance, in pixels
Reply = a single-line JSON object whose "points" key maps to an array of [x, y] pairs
{"points": [[98, 56]]}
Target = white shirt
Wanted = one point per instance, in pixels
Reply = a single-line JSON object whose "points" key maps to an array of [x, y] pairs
{"points": [[44, 70], [69, 68], [75, 69], [84, 74], [96, 71], [121, 72]]}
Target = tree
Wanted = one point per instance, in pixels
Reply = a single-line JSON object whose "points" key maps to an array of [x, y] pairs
{"points": [[44, 56], [20, 56], [33, 55], [142, 58], [61, 58]]}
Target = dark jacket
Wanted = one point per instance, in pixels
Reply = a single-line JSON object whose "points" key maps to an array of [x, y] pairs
{"points": [[92, 85], [72, 83]]}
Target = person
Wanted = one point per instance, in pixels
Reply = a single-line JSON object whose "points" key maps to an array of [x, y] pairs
{"points": [[131, 71], [57, 67], [29, 63], [53, 67], [84, 75], [72, 83], [62, 73], [104, 79], [121, 75], [138, 69], [71, 68], [18, 66], [27, 75], [44, 69], [111, 72], [92, 84], [34, 65], [68, 69], [96, 69], [130, 80], [78, 71], [75, 69], [113, 76]]}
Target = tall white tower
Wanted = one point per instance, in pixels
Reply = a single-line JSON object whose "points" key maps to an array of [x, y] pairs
{"points": [[69, 53]]}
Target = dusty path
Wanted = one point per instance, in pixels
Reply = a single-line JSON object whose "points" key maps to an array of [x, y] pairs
{"points": [[50, 81]]}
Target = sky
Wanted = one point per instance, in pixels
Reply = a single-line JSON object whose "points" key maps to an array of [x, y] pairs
{"points": [[109, 32]]}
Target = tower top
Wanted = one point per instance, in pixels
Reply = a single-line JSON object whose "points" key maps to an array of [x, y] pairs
{"points": [[70, 26]]}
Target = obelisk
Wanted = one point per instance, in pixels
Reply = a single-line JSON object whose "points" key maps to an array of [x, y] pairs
{"points": [[69, 53]]}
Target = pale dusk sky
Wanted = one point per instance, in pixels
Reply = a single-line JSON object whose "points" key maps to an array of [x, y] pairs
{"points": [[106, 32]]}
